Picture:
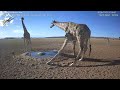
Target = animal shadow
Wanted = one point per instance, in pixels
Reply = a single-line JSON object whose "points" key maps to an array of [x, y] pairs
{"points": [[64, 57], [106, 62], [67, 55]]}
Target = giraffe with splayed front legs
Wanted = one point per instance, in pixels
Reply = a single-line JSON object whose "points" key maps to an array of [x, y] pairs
{"points": [[74, 32], [27, 40]]}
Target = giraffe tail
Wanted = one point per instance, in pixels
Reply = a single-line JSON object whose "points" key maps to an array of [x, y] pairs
{"points": [[90, 48]]}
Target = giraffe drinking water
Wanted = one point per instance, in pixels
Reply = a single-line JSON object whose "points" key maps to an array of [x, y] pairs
{"points": [[75, 32]]}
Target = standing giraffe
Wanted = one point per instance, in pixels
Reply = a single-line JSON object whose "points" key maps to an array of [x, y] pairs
{"points": [[27, 40], [78, 32], [108, 40]]}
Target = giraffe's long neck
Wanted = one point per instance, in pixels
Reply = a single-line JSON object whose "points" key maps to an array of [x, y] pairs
{"points": [[24, 28], [62, 25]]}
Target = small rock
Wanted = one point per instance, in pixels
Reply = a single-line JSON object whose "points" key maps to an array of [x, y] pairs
{"points": [[55, 51], [33, 65], [41, 53]]}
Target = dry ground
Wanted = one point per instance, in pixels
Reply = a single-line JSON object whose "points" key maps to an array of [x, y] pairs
{"points": [[104, 62]]}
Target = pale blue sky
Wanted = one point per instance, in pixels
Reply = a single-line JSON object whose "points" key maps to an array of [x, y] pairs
{"points": [[101, 23]]}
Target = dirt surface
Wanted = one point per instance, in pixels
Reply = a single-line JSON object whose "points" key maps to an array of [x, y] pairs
{"points": [[104, 62]]}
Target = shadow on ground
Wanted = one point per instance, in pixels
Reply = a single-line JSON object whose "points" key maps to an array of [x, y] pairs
{"points": [[106, 62]]}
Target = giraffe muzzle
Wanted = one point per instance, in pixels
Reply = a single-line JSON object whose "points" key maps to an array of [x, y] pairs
{"points": [[51, 26]]}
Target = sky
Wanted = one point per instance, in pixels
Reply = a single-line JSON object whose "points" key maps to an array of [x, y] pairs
{"points": [[101, 23]]}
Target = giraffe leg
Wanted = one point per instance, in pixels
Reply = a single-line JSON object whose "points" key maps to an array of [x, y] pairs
{"points": [[64, 44], [81, 45], [74, 43], [84, 49], [24, 45], [27, 42], [29, 47], [82, 54], [79, 53]]}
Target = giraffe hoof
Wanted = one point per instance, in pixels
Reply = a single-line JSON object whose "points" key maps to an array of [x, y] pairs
{"points": [[80, 59], [71, 64], [49, 63]]}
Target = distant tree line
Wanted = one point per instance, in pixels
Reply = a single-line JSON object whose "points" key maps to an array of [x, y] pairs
{"points": [[9, 38]]}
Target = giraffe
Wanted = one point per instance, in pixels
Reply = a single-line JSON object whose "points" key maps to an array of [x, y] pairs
{"points": [[108, 40], [27, 40], [75, 32], [8, 20]]}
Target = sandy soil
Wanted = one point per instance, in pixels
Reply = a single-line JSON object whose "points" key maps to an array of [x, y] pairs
{"points": [[104, 62]]}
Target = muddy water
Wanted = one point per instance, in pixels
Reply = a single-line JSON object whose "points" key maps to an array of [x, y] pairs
{"points": [[43, 54]]}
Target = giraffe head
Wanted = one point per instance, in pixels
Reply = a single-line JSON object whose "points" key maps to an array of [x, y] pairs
{"points": [[22, 18], [10, 18], [53, 23]]}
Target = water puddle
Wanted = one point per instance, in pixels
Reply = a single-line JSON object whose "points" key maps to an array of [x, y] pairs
{"points": [[43, 54]]}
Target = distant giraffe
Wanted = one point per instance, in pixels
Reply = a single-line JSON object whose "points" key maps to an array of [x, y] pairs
{"points": [[8, 20], [80, 33], [108, 40], [27, 40]]}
